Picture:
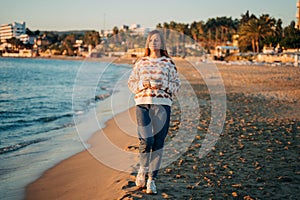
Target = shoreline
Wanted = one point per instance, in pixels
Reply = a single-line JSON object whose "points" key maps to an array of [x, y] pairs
{"points": [[80, 177], [60, 181], [40, 163], [130, 61], [116, 60], [86, 154]]}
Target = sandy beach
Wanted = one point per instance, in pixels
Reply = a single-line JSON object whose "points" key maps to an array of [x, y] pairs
{"points": [[256, 157]]}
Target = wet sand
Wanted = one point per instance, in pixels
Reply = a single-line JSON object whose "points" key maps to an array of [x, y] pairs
{"points": [[256, 157]]}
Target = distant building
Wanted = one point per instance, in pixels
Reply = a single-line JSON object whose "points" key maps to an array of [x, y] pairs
{"points": [[124, 27], [135, 29], [221, 52], [106, 33], [134, 26], [140, 31], [27, 39], [15, 29]]}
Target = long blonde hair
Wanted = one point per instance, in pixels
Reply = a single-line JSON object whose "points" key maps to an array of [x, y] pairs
{"points": [[163, 49]]}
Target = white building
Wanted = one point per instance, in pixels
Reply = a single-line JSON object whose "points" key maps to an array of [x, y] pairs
{"points": [[14, 29], [26, 39], [136, 29], [141, 31], [134, 26], [124, 27], [105, 33]]}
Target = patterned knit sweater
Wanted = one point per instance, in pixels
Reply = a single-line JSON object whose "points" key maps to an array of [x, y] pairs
{"points": [[162, 69]]}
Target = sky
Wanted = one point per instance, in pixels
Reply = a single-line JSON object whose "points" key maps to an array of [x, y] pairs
{"points": [[63, 15]]}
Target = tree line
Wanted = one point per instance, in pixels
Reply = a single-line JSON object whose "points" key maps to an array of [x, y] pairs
{"points": [[253, 32]]}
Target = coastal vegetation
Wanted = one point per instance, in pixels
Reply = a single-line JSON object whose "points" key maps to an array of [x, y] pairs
{"points": [[250, 33]]}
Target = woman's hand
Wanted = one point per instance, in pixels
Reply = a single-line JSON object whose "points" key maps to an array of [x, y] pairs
{"points": [[156, 84], [146, 84], [152, 84]]}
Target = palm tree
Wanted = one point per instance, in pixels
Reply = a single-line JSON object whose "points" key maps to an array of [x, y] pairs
{"points": [[200, 28], [91, 38], [210, 28], [249, 32], [183, 30], [68, 44], [256, 31], [194, 31], [115, 33], [197, 31], [171, 36], [291, 37]]}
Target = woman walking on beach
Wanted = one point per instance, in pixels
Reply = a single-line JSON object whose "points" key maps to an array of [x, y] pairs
{"points": [[154, 80]]}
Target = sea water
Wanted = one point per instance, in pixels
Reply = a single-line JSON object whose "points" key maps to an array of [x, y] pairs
{"points": [[42, 104]]}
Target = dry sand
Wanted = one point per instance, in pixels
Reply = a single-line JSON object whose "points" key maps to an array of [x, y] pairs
{"points": [[256, 157]]}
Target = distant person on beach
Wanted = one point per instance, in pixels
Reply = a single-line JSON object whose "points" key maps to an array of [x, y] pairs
{"points": [[154, 80]]}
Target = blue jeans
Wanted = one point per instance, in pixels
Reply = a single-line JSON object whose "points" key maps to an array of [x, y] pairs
{"points": [[153, 125]]}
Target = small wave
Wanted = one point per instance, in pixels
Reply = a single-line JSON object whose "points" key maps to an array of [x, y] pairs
{"points": [[101, 97], [5, 100], [80, 112], [11, 125], [53, 118], [67, 125], [10, 113], [104, 88], [20, 145], [45, 119]]}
